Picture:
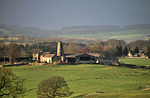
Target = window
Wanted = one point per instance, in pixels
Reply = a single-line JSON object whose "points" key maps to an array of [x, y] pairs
{"points": [[85, 58], [93, 59]]}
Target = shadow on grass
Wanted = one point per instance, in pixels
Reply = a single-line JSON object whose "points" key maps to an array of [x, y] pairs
{"points": [[82, 96], [31, 89], [130, 66]]}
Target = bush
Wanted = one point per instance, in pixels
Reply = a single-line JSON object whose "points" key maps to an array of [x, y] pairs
{"points": [[10, 84], [52, 87], [56, 63]]}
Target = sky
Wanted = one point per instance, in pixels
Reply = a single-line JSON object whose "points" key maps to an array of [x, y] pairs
{"points": [[55, 14]]}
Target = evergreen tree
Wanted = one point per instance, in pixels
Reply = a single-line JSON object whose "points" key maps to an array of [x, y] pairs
{"points": [[118, 51], [148, 52], [136, 50], [125, 51], [129, 48]]}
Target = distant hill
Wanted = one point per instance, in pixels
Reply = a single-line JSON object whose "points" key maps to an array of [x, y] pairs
{"points": [[18, 30], [127, 33], [137, 27]]}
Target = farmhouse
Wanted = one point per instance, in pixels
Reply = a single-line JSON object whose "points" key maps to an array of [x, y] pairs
{"points": [[48, 58], [86, 58], [137, 55], [129, 54]]}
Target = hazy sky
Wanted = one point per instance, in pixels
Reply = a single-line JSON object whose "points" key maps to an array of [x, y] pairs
{"points": [[53, 14]]}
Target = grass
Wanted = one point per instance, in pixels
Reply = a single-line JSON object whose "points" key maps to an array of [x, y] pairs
{"points": [[88, 79], [136, 61], [134, 94]]}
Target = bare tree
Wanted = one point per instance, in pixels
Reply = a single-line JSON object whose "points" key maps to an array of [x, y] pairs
{"points": [[97, 47], [13, 52], [52, 87], [2, 49], [109, 51]]}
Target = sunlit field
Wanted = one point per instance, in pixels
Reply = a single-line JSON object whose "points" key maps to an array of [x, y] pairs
{"points": [[90, 80], [136, 61]]}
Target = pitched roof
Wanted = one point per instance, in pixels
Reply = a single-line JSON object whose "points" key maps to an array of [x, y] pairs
{"points": [[72, 55], [48, 55], [94, 54], [79, 54]]}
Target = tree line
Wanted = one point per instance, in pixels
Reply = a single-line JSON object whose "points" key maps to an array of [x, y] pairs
{"points": [[109, 48]]}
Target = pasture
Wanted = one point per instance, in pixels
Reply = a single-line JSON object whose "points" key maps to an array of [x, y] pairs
{"points": [[90, 80], [136, 61]]}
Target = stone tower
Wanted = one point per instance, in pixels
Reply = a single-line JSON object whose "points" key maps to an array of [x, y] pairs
{"points": [[59, 49]]}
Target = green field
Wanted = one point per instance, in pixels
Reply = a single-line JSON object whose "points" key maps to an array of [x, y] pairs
{"points": [[114, 82], [136, 61]]}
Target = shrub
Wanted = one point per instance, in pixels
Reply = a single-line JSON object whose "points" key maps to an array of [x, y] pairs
{"points": [[52, 87], [56, 63]]}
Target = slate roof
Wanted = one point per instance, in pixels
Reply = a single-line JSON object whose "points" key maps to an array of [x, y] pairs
{"points": [[78, 54], [48, 54], [94, 54], [72, 55]]}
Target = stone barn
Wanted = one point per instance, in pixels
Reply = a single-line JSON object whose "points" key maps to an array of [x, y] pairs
{"points": [[48, 58]]}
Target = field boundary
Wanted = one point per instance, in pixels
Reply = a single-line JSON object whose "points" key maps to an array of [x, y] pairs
{"points": [[130, 66], [12, 65]]}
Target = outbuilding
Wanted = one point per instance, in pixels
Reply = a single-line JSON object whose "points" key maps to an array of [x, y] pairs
{"points": [[48, 58]]}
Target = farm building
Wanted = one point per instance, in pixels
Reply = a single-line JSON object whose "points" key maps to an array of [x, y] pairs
{"points": [[137, 55], [86, 58], [36, 56], [80, 58], [129, 54], [48, 58]]}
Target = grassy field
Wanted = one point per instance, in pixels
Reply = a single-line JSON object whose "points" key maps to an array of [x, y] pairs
{"points": [[114, 82], [136, 61]]}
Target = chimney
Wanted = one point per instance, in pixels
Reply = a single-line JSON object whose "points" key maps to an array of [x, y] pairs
{"points": [[59, 49]]}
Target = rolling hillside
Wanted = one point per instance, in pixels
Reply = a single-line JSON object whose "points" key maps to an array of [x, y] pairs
{"points": [[90, 80], [127, 33], [18, 30]]}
